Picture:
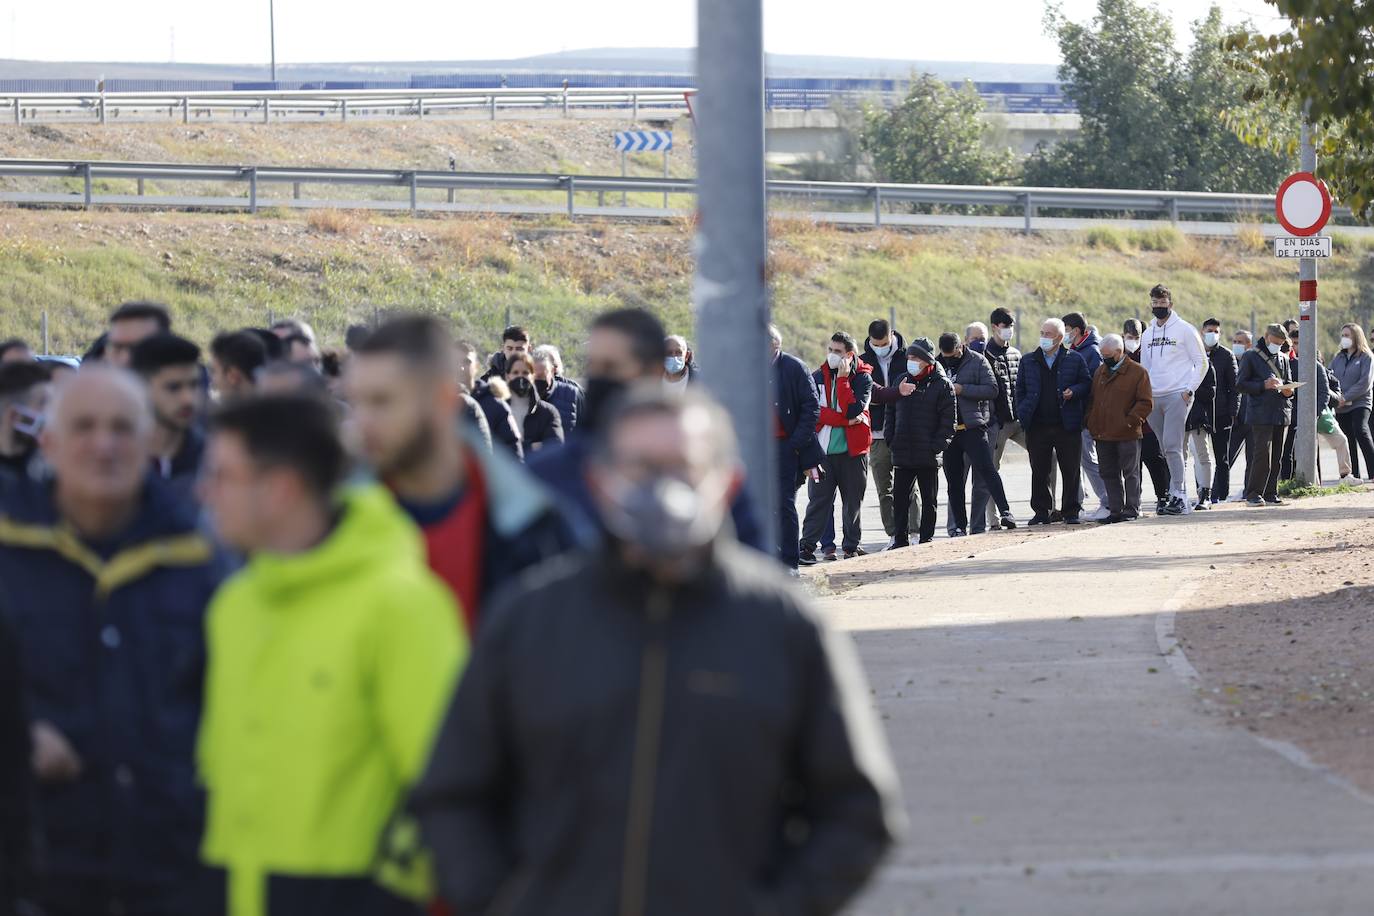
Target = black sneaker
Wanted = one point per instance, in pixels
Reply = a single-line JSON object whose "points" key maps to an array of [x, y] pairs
{"points": [[856, 552], [1275, 501], [1056, 516], [831, 556], [1161, 505], [1254, 502], [1072, 520], [1113, 519], [1129, 516], [996, 526], [1173, 507], [1008, 522], [1040, 519], [807, 558], [958, 533]]}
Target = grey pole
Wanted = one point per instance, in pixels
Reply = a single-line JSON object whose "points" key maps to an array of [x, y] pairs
{"points": [[1305, 448], [272, 33], [729, 293]]}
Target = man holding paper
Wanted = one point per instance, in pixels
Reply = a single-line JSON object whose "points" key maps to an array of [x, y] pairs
{"points": [[1266, 376]]}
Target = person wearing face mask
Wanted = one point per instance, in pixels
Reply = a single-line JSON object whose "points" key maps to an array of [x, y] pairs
{"points": [[540, 423], [1121, 403], [1352, 368], [1225, 410], [681, 683], [1265, 375], [1083, 340], [885, 352], [920, 427], [796, 410], [678, 369], [974, 388], [1151, 458], [1005, 361], [1172, 352], [1199, 429], [844, 386], [624, 350], [1051, 398], [564, 394], [24, 392], [1241, 342]]}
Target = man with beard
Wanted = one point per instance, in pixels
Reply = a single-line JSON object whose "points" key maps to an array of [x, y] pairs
{"points": [[624, 349], [170, 365], [24, 389], [683, 736], [484, 521]]}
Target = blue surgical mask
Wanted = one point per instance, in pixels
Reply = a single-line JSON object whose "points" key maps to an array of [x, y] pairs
{"points": [[1238, 349], [1211, 338], [886, 351], [1274, 348], [914, 366], [674, 364], [1046, 344]]}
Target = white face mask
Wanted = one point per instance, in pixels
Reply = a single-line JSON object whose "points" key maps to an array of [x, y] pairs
{"points": [[1274, 348], [1347, 343], [1046, 344], [884, 351], [833, 360], [1005, 334], [1211, 338], [1132, 344], [1238, 349], [915, 366]]}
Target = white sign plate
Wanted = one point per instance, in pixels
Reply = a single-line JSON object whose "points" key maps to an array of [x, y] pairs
{"points": [[1316, 246]]}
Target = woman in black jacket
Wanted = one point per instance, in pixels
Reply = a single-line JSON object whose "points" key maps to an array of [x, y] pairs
{"points": [[918, 428], [540, 423]]}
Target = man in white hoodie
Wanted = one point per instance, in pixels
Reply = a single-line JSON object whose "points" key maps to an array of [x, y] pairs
{"points": [[1171, 351]]}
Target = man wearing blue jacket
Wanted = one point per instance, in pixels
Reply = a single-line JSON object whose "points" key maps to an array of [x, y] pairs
{"points": [[796, 410], [1051, 398], [1082, 339], [107, 579]]}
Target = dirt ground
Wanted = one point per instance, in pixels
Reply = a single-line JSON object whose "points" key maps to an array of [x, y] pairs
{"points": [[1286, 649]]}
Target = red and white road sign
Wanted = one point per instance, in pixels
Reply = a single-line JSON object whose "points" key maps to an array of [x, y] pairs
{"points": [[1303, 204]]}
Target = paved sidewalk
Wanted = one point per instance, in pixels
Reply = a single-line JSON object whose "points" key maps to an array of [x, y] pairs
{"points": [[1055, 763]]}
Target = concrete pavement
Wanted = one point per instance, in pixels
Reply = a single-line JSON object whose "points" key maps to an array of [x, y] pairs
{"points": [[1053, 760]]}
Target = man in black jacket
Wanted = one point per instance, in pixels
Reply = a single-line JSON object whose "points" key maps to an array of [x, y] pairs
{"points": [[1264, 377], [975, 387], [795, 410], [1005, 361], [1226, 407], [14, 774], [885, 352], [684, 736], [1199, 427]]}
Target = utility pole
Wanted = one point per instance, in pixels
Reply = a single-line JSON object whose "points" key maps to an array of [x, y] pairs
{"points": [[1305, 448], [729, 293], [272, 34]]}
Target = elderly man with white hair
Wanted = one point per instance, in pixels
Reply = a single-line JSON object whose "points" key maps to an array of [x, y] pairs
{"points": [[1052, 391], [1121, 404], [563, 393], [107, 577], [678, 371]]}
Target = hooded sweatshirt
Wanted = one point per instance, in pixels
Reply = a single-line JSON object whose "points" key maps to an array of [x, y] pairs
{"points": [[1173, 355]]}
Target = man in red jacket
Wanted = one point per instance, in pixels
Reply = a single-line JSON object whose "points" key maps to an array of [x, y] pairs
{"points": [[845, 386]]}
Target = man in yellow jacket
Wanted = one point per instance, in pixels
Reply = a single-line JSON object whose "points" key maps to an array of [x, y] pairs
{"points": [[331, 658]]}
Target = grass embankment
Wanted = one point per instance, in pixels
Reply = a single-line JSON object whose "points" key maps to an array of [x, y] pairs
{"points": [[335, 268]]}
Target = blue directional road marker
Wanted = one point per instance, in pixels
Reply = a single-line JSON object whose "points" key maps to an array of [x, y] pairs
{"points": [[643, 141]]}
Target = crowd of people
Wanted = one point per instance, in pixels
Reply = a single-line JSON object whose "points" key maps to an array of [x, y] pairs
{"points": [[408, 629], [1093, 412]]}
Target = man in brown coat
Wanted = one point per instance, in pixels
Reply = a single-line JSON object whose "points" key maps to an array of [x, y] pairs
{"points": [[1121, 403]]}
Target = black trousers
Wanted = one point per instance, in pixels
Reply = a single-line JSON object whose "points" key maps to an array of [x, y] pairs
{"points": [[1221, 476], [970, 449], [928, 479], [1240, 439], [1266, 448], [847, 476], [1355, 425], [204, 891], [1287, 466], [1048, 445], [789, 525], [1152, 458]]}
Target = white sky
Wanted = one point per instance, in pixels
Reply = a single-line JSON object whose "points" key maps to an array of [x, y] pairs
{"points": [[216, 31]]}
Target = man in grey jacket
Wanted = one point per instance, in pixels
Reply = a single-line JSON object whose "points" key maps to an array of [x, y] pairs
{"points": [[684, 736], [974, 389]]}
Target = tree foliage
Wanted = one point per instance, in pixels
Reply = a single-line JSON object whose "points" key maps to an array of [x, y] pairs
{"points": [[1153, 118], [1325, 60], [935, 136]]}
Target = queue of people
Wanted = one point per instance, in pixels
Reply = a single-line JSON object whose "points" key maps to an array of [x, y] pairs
{"points": [[272, 645]]}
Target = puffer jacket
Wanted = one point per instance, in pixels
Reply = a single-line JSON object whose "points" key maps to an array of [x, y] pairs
{"points": [[1202, 415], [1226, 403], [884, 379], [698, 703], [1070, 372], [920, 426], [112, 639], [1262, 407], [974, 404], [1006, 365]]}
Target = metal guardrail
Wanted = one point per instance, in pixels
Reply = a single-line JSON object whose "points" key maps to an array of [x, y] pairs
{"points": [[1027, 202]]}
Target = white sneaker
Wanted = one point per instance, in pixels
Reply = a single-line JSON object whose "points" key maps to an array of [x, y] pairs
{"points": [[1101, 513], [891, 542], [1352, 480]]}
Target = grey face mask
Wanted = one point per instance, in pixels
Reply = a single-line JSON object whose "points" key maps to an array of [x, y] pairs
{"points": [[665, 517]]}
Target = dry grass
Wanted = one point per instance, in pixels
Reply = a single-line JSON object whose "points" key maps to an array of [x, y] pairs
{"points": [[343, 223], [1203, 256], [1250, 238]]}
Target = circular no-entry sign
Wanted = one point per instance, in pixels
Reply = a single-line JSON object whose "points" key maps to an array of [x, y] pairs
{"points": [[1303, 204]]}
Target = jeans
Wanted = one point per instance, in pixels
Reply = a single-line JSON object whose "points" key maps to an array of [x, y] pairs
{"points": [[880, 462], [1200, 447], [982, 506], [1090, 468], [1355, 425], [1222, 456], [1169, 420], [1048, 446], [928, 479], [1120, 465], [848, 476], [1267, 450], [970, 449]]}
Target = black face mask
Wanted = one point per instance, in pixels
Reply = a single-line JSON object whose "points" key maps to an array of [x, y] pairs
{"points": [[601, 394], [1161, 312], [520, 386], [542, 387]]}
